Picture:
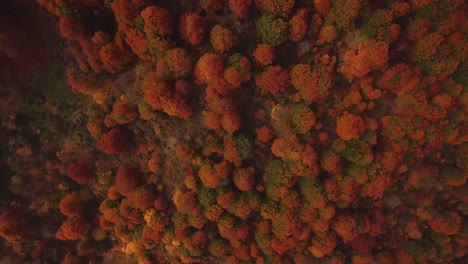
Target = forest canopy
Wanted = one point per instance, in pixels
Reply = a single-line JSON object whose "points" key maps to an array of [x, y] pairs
{"points": [[240, 131]]}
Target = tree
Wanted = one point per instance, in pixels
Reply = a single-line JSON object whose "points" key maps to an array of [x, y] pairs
{"points": [[343, 12], [161, 96], [345, 227], [331, 162], [226, 199], [323, 244], [122, 113], [453, 176], [127, 180], [377, 25], [218, 247], [222, 39], [186, 202], [15, 226], [358, 152], [114, 142], [350, 126], [157, 20], [71, 28], [281, 8], [209, 68], [302, 118], [273, 79], [264, 55], [322, 6], [393, 127], [278, 178], [81, 172], [436, 55], [70, 259], [211, 175], [241, 64], [240, 7], [125, 13], [212, 6], [448, 223], [113, 194], [371, 55], [399, 79], [141, 198], [264, 134], [74, 228], [71, 205], [298, 25], [272, 31], [244, 178], [327, 34], [231, 122], [179, 62], [192, 28], [232, 77], [313, 84], [287, 148], [113, 57], [158, 46]]}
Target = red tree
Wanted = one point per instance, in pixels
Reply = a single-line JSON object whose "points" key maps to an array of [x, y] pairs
{"points": [[81, 172], [192, 28], [114, 142], [127, 180]]}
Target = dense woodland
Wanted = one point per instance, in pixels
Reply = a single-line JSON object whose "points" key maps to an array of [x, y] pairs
{"points": [[235, 131]]}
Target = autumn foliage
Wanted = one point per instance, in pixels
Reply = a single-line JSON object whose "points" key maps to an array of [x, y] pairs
{"points": [[113, 142], [264, 55], [240, 7], [222, 39], [350, 126], [243, 131], [157, 20], [371, 55], [71, 205], [73, 229], [160, 95], [81, 172], [126, 180], [273, 80], [15, 226], [192, 28]]}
